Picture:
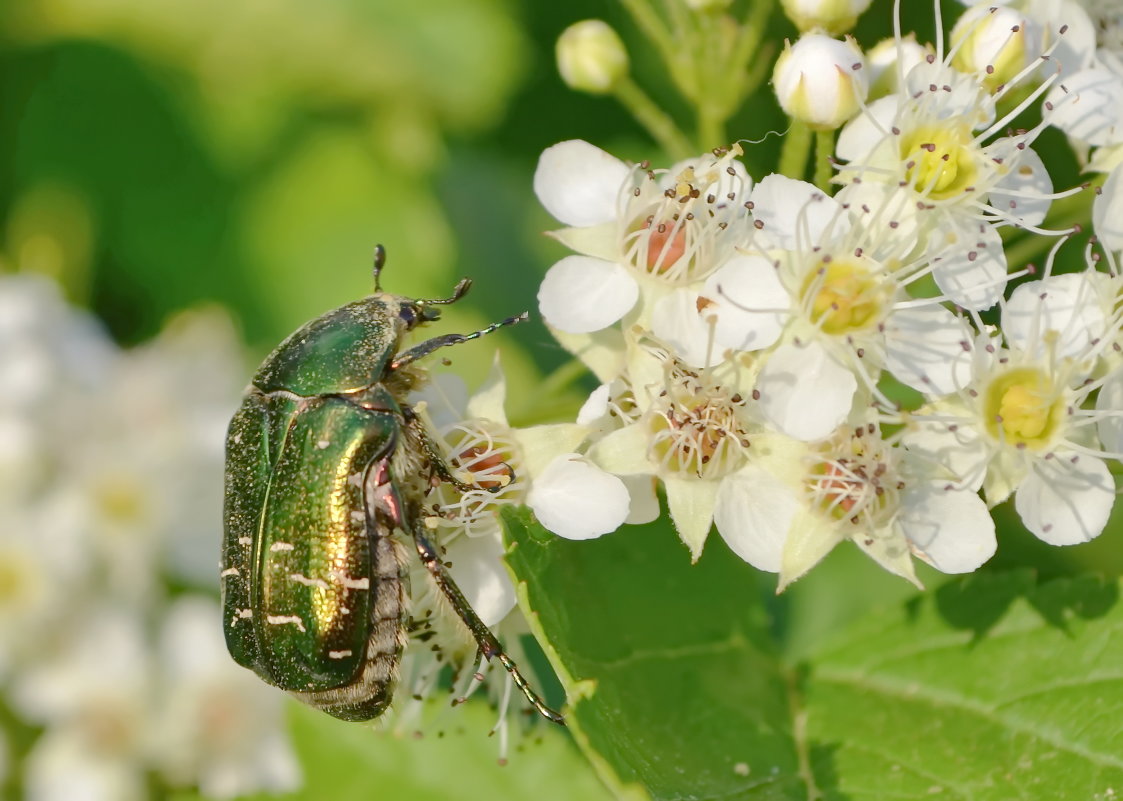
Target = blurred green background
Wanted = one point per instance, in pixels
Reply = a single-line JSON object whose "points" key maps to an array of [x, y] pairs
{"points": [[156, 155]]}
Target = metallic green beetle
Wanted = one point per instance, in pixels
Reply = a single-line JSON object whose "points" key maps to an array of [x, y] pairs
{"points": [[324, 462]]}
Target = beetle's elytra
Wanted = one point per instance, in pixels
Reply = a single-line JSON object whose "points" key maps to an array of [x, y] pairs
{"points": [[325, 461]]}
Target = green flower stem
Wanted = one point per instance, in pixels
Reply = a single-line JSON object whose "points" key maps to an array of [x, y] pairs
{"points": [[748, 43], [797, 146], [653, 27], [824, 147], [659, 124]]}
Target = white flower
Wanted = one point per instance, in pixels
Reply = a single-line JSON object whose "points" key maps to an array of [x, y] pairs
{"points": [[698, 436], [858, 485], [821, 81], [921, 158], [890, 60], [636, 232], [1020, 423], [591, 57], [816, 291]]}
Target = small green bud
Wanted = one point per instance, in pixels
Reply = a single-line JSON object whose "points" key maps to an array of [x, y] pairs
{"points": [[591, 57]]}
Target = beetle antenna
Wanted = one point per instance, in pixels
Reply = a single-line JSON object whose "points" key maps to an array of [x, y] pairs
{"points": [[379, 263], [458, 291]]}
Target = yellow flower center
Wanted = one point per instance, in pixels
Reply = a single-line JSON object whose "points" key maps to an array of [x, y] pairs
{"points": [[845, 296], [940, 160], [1023, 408]]}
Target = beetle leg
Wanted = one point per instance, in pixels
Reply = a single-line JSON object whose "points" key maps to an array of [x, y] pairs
{"points": [[436, 459], [428, 346], [488, 644]]}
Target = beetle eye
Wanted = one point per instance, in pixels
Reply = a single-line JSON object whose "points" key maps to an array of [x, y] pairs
{"points": [[407, 313]]}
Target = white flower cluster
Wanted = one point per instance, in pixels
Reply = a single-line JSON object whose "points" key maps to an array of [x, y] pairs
{"points": [[801, 369], [111, 465]]}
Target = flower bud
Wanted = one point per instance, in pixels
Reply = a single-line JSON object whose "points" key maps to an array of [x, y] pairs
{"points": [[591, 57], [891, 59], [995, 43], [832, 16], [820, 81], [708, 6]]}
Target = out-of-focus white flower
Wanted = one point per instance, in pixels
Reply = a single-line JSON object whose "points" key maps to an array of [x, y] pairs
{"points": [[591, 57], [832, 16], [93, 690], [218, 726], [821, 81]]}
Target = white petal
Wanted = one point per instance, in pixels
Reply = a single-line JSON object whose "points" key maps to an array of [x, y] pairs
{"points": [[970, 266], [477, 568], [445, 396], [754, 512], [488, 401], [1023, 193], [691, 504], [581, 294], [644, 507], [623, 452], [540, 445], [925, 349], [749, 303], [951, 454], [1110, 402], [1066, 305], [951, 529], [862, 134], [62, 766], [595, 406], [675, 321], [1066, 503], [1088, 106], [1107, 211], [578, 183], [805, 392], [796, 214], [577, 500]]}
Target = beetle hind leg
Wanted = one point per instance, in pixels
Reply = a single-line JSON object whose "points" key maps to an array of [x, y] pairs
{"points": [[489, 645]]}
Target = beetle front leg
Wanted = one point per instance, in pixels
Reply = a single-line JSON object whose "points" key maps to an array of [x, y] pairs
{"points": [[487, 642], [436, 458], [423, 349]]}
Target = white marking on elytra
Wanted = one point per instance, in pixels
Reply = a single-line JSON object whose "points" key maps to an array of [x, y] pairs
{"points": [[241, 614], [281, 546], [237, 438], [245, 541], [323, 443], [308, 582], [278, 620], [341, 578], [339, 654], [230, 571]]}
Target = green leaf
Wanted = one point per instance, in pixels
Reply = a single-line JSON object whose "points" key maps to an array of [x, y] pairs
{"points": [[989, 688], [673, 680], [455, 760]]}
